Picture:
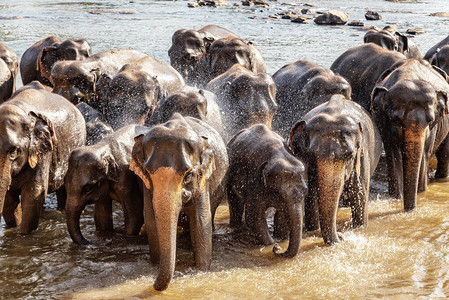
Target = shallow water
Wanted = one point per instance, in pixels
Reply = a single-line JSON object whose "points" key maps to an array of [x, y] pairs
{"points": [[399, 255]]}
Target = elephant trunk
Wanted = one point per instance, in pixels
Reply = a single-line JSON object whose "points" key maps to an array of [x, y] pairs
{"points": [[331, 175], [73, 213], [5, 180], [413, 150], [295, 221], [167, 203]]}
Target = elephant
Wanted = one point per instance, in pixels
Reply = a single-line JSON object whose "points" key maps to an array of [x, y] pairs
{"points": [[264, 173], [182, 164], [410, 108], [245, 98], [192, 102], [362, 66], [341, 147], [37, 61], [9, 67], [131, 95], [98, 174], [432, 51], [300, 86], [389, 38], [76, 80], [223, 54], [38, 130], [441, 58], [189, 45], [96, 128]]}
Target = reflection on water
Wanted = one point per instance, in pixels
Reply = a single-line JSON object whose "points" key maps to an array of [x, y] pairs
{"points": [[399, 255]]}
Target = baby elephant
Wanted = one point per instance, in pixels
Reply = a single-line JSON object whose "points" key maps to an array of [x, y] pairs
{"points": [[342, 148], [263, 173], [99, 174]]}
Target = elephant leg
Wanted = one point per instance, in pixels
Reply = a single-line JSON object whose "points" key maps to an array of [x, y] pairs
{"points": [[311, 212], [442, 155], [281, 225], [236, 207], [150, 225], [217, 197], [32, 202], [258, 223], [358, 196], [103, 214], [201, 231], [395, 171], [11, 213], [61, 195], [423, 174], [132, 204]]}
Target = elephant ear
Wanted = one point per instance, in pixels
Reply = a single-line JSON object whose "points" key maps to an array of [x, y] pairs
{"points": [[43, 138], [297, 141], [377, 98], [137, 163], [402, 42], [101, 92], [359, 150], [110, 168], [208, 41], [41, 57], [442, 97], [207, 163], [441, 72], [264, 174]]}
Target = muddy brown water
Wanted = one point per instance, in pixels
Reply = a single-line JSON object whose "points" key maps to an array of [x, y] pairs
{"points": [[399, 255]]}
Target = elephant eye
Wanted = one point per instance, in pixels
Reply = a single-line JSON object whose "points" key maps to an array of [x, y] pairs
{"points": [[188, 177], [14, 152], [91, 187]]}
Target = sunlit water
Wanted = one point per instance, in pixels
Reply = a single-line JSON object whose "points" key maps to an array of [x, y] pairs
{"points": [[399, 255]]}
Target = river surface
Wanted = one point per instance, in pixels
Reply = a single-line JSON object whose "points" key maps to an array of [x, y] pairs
{"points": [[398, 256]]}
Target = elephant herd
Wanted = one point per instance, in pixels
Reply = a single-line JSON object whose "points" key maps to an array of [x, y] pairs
{"points": [[171, 142]]}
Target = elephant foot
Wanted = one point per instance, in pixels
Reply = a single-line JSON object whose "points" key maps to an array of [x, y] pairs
{"points": [[441, 174], [334, 239]]}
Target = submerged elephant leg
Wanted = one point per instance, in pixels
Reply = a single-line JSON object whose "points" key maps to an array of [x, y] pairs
{"points": [[358, 195], [132, 203], [150, 225], [442, 155], [395, 171], [258, 222], [236, 208], [311, 213], [61, 195], [32, 202], [9, 209], [103, 214], [281, 225]]}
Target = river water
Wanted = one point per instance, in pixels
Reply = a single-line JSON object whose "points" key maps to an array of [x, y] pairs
{"points": [[399, 255]]}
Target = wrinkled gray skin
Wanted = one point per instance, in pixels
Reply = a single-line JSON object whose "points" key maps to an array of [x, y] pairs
{"points": [[76, 80], [410, 108], [342, 147], [37, 61], [264, 173], [182, 163], [362, 66], [96, 129], [99, 174], [9, 67], [431, 52], [192, 102], [38, 130], [245, 98], [441, 58], [389, 38], [131, 96], [189, 45], [300, 86], [223, 54]]}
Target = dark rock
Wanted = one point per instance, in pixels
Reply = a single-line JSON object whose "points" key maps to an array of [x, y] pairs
{"points": [[415, 31], [373, 15], [306, 11], [332, 17], [276, 17], [193, 4], [301, 20], [356, 23], [247, 3], [440, 14]]}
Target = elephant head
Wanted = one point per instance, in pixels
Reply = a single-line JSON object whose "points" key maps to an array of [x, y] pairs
{"points": [[130, 97], [187, 103], [25, 140], [321, 87], [67, 50], [9, 74], [407, 105], [75, 80], [331, 141], [388, 38], [174, 163], [187, 48], [224, 53], [87, 181]]}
